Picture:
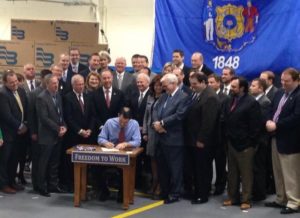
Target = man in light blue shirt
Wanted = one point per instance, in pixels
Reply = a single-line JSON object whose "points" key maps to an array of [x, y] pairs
{"points": [[120, 132]]}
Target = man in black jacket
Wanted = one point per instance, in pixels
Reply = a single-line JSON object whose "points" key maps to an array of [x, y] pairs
{"points": [[243, 122]]}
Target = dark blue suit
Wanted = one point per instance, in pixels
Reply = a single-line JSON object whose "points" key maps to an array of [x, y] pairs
{"points": [[170, 144]]}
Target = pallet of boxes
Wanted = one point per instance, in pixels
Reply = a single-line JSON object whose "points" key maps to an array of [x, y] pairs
{"points": [[40, 42]]}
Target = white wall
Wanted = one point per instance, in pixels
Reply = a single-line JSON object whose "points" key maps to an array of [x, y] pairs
{"points": [[128, 24]]}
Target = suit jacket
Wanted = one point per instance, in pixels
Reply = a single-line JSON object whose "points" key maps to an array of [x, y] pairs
{"points": [[132, 102], [172, 116], [76, 119], [26, 87], [128, 79], [86, 72], [186, 70], [81, 67], [243, 122], [186, 90], [206, 70], [272, 93], [265, 106], [202, 118], [102, 112], [32, 112], [49, 120], [10, 113], [288, 124]]}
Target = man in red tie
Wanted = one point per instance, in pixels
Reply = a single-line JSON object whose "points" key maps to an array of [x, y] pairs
{"points": [[242, 125], [120, 132]]}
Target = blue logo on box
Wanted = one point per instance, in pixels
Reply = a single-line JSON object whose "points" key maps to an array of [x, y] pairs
{"points": [[20, 34], [46, 58], [10, 57], [62, 34]]}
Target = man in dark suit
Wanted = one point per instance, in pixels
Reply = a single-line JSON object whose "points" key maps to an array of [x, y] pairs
{"points": [[227, 74], [168, 116], [94, 65], [51, 129], [270, 92], [33, 128], [198, 65], [243, 121], [31, 83], [64, 62], [75, 66], [257, 90], [177, 59], [57, 71], [121, 79], [107, 100], [220, 154], [136, 64], [79, 117], [269, 77], [284, 123], [136, 100], [13, 115], [202, 119]]}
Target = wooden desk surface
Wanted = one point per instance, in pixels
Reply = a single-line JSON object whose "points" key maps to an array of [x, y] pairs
{"points": [[134, 151]]}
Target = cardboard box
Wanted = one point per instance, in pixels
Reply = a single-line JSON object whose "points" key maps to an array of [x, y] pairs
{"points": [[69, 31], [87, 49], [15, 69], [32, 30], [16, 53], [47, 53]]}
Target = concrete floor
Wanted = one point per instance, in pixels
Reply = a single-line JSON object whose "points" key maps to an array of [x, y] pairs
{"points": [[27, 204]]}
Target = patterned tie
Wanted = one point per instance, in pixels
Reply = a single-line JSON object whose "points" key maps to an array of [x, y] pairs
{"points": [[107, 99], [121, 135], [56, 104], [140, 99], [31, 85], [81, 103], [283, 99], [18, 99], [119, 81], [74, 69], [225, 91]]}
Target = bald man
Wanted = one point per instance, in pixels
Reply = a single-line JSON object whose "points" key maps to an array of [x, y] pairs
{"points": [[198, 65], [31, 83]]}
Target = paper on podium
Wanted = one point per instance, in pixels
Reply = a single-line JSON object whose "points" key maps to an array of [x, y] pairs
{"points": [[109, 149]]}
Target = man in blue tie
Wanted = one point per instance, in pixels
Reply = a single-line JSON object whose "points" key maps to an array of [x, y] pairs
{"points": [[168, 116]]}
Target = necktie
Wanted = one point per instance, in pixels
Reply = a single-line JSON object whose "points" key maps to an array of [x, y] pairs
{"points": [[234, 103], [81, 103], [57, 108], [18, 99], [64, 77], [225, 91], [31, 85], [165, 105], [107, 99], [280, 106], [119, 81], [75, 69], [140, 99], [121, 135]]}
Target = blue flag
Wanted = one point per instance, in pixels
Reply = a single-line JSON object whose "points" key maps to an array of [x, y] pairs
{"points": [[249, 35]]}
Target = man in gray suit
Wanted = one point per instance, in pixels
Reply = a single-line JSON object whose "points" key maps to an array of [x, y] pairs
{"points": [[122, 80], [51, 129], [257, 89], [168, 116]]}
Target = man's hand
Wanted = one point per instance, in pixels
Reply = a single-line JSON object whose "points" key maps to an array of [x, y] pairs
{"points": [[271, 126], [199, 144], [158, 127], [109, 145], [62, 131], [22, 130], [34, 137], [122, 146], [145, 137]]}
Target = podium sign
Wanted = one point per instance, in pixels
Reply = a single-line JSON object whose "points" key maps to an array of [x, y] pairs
{"points": [[100, 158]]}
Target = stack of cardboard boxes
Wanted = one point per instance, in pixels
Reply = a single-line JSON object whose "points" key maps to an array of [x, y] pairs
{"points": [[40, 42]]}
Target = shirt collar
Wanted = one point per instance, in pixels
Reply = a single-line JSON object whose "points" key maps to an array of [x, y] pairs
{"points": [[144, 92], [268, 89], [104, 89], [259, 96], [218, 91], [173, 93]]}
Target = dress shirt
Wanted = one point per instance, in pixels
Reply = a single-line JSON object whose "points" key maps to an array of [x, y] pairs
{"points": [[227, 88], [76, 66], [111, 129], [110, 92], [29, 84], [259, 96]]}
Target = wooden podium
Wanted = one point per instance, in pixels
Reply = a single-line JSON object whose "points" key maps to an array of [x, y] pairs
{"points": [[126, 160]]}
